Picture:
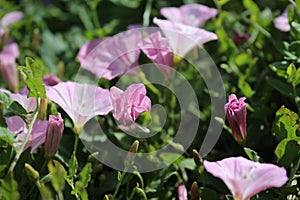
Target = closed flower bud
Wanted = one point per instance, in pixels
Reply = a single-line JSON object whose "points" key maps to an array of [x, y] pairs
{"points": [[236, 115], [54, 133]]}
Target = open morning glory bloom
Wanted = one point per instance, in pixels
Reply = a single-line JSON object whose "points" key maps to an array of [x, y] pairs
{"points": [[190, 14], [129, 104], [37, 136], [282, 22], [182, 193], [183, 38], [9, 52], [80, 101], [245, 178], [29, 104], [112, 56], [158, 50], [236, 115]]}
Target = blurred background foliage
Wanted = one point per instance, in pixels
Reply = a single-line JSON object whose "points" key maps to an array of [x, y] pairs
{"points": [[263, 66]]}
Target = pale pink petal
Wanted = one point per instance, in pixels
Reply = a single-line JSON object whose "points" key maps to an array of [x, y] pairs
{"points": [[182, 193], [11, 18], [128, 105], [29, 104], [245, 178], [158, 49], [282, 23], [184, 38], [80, 101], [190, 14], [113, 56], [172, 14], [197, 14]]}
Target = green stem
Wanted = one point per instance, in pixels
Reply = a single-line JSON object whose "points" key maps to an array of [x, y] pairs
{"points": [[95, 17], [20, 151], [147, 12], [119, 184], [75, 144], [148, 84]]}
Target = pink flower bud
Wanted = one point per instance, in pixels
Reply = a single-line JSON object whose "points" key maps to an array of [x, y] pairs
{"points": [[182, 193], [51, 80], [54, 133], [236, 115]]}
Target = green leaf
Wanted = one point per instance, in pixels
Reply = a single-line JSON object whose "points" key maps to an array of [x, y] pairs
{"points": [[208, 194], [80, 190], [282, 87], [45, 192], [33, 76], [58, 174], [85, 174], [73, 165], [9, 188], [188, 163], [11, 105], [287, 152], [245, 88], [32, 174], [6, 135], [252, 154], [286, 124]]}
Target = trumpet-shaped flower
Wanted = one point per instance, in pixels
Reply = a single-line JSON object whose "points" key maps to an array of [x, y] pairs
{"points": [[159, 51], [29, 104], [245, 178], [236, 115], [129, 104], [190, 14], [9, 52], [112, 56], [80, 101], [183, 38], [37, 136], [54, 133]]}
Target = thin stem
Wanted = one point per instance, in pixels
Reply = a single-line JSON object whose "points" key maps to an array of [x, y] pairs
{"points": [[147, 12], [119, 184], [20, 151], [148, 84], [75, 144]]}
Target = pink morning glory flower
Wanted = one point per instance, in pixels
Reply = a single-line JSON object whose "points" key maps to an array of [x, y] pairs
{"points": [[182, 193], [80, 101], [282, 22], [9, 52], [112, 56], [29, 104], [236, 115], [37, 136], [129, 104], [54, 133], [10, 18], [190, 14], [245, 178], [157, 48], [183, 38]]}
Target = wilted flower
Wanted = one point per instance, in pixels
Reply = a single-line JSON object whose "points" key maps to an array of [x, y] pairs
{"points": [[129, 104], [51, 80], [183, 38], [54, 133], [80, 101], [282, 22], [240, 38], [112, 56], [236, 115], [9, 52], [182, 193], [158, 49], [190, 14], [37, 136], [245, 178]]}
